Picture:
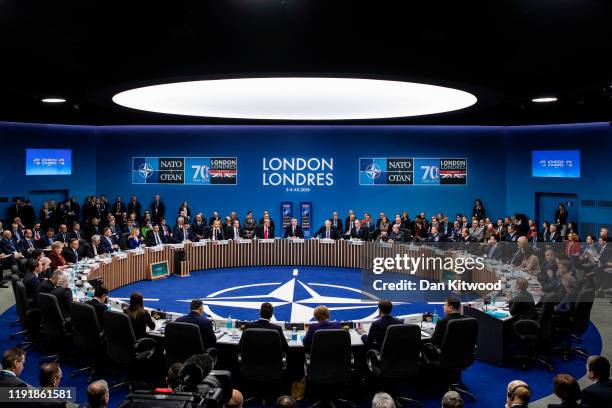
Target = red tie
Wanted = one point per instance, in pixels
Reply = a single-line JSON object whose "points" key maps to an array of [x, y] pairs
{"points": [[265, 233]]}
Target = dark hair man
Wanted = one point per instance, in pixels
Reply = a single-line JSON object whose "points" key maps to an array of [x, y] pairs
{"points": [[376, 335], [266, 311], [452, 310], [598, 394], [13, 361], [196, 308]]}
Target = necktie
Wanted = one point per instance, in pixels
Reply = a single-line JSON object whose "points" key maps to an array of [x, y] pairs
{"points": [[157, 240], [265, 233], [327, 233], [293, 231], [236, 235], [78, 235], [30, 243]]}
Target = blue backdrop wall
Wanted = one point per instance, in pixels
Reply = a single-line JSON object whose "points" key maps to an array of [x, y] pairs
{"points": [[499, 169]]}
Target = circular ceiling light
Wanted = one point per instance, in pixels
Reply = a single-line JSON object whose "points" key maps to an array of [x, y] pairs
{"points": [[296, 98], [53, 100], [544, 99]]}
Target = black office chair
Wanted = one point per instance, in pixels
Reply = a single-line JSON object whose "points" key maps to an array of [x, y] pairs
{"points": [[29, 318], [122, 347], [14, 279], [399, 357], [88, 336], [262, 361], [55, 329], [329, 367], [577, 325], [529, 332], [183, 340], [456, 353]]}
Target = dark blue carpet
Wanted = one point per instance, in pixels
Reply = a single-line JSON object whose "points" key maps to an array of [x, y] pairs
{"points": [[488, 382]]}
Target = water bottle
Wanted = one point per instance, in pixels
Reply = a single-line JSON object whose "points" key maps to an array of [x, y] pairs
{"points": [[435, 317], [229, 322], [294, 333]]}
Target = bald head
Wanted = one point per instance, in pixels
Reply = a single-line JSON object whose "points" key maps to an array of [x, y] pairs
{"points": [[518, 393], [97, 394], [236, 401]]}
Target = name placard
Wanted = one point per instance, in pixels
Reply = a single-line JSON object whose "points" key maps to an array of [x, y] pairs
{"points": [[158, 270]]}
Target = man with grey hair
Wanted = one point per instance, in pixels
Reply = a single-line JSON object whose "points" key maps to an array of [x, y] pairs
{"points": [[97, 394], [94, 248], [452, 399], [383, 400]]}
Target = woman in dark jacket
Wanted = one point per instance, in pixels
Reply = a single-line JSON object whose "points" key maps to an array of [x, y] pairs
{"points": [[140, 318]]}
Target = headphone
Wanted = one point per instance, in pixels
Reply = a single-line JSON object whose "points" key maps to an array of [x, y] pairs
{"points": [[512, 391]]}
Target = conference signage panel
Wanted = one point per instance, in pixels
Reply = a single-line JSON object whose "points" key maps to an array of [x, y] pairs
{"points": [[408, 171], [555, 163], [196, 171], [306, 217], [286, 213], [48, 162]]}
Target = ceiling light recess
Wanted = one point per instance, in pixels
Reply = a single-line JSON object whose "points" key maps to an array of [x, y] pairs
{"points": [[53, 100], [544, 99], [296, 98]]}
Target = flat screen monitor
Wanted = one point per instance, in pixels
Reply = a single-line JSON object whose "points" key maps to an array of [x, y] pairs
{"points": [[48, 162], [555, 163]]}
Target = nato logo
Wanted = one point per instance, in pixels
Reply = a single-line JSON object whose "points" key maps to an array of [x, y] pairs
{"points": [[385, 171], [145, 170]]}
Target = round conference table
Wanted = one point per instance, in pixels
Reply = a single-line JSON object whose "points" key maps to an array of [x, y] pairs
{"points": [[131, 266], [127, 267]]}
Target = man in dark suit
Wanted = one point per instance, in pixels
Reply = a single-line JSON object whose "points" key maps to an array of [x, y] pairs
{"points": [[48, 239], [398, 235], [198, 226], [337, 222], [158, 209], [266, 311], [165, 230], [264, 231], [107, 242], [495, 251], [181, 231], [154, 237], [235, 232], [294, 230], [47, 285], [321, 313], [266, 216], [196, 309], [118, 208], [98, 302], [27, 244], [94, 228], [518, 394], [215, 217], [349, 221], [13, 361], [452, 310], [598, 394], [554, 234], [15, 210], [358, 232], [28, 215], [327, 231], [71, 252], [374, 339], [62, 234], [76, 231], [93, 248], [216, 232], [134, 207], [523, 305], [31, 281]]}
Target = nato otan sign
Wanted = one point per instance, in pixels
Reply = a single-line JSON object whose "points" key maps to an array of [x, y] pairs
{"points": [[185, 170]]}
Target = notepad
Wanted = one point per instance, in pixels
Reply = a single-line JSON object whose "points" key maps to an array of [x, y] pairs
{"points": [[496, 313]]}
